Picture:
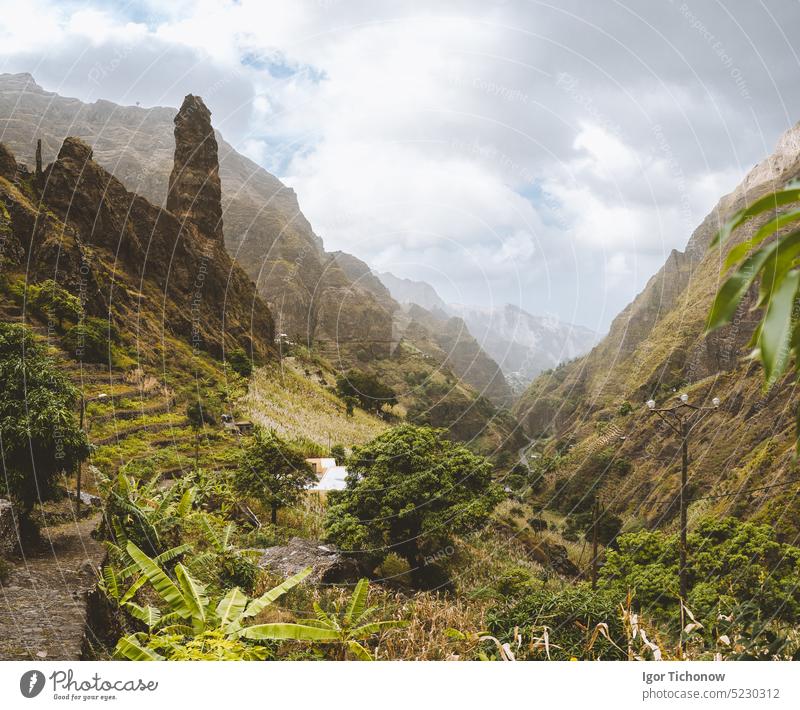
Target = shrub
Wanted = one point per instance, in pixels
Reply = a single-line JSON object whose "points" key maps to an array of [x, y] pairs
{"points": [[90, 340], [368, 391], [272, 471], [240, 362], [38, 428], [731, 559], [53, 301], [569, 616], [338, 453]]}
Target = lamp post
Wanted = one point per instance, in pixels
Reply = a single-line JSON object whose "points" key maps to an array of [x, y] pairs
{"points": [[682, 418], [102, 397]]}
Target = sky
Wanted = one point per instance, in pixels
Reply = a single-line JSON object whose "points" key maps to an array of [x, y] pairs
{"points": [[545, 154]]}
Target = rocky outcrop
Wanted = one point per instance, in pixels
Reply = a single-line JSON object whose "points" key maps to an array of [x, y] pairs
{"points": [[328, 564], [8, 164], [195, 191], [9, 535], [127, 257], [310, 297]]}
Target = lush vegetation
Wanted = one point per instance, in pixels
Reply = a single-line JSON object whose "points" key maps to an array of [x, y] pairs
{"points": [[272, 471], [366, 389], [38, 424], [409, 491]]}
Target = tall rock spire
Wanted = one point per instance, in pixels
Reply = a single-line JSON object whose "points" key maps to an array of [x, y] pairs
{"points": [[195, 193]]}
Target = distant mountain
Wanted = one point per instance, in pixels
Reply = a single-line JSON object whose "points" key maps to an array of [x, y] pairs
{"points": [[523, 344], [439, 335], [410, 291]]}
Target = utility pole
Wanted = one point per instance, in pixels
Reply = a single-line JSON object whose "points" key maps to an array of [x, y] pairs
{"points": [[682, 418], [684, 505], [595, 516], [80, 466]]}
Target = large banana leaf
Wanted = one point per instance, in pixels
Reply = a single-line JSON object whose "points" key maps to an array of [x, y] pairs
{"points": [[110, 582], [357, 603], [735, 287], [128, 648], [133, 589], [357, 650], [376, 627], [776, 328], [230, 607], [770, 201], [194, 596], [296, 632], [164, 557], [738, 252], [163, 585], [257, 605], [148, 615]]}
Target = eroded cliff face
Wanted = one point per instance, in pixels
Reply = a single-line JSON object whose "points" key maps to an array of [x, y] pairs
{"points": [[143, 268], [195, 191], [310, 297], [656, 348]]}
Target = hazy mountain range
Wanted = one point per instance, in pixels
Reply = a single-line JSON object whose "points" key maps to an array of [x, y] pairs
{"points": [[523, 344]]}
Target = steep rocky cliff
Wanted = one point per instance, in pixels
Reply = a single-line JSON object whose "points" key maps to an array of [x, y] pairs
{"points": [[310, 297], [657, 348], [195, 193], [151, 275]]}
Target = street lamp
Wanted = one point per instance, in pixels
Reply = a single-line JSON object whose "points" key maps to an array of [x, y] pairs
{"points": [[682, 418], [102, 398]]}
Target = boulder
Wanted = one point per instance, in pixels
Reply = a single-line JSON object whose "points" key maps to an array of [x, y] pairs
{"points": [[87, 499], [329, 565], [9, 534]]}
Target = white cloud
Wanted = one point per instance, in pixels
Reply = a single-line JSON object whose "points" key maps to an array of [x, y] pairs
{"points": [[504, 150]]}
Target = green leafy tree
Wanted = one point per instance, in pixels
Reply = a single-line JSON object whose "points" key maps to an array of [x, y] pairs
{"points": [[90, 340], [240, 362], [338, 453], [53, 300], [771, 258], [729, 561], [410, 490], [38, 428], [368, 391], [272, 471]]}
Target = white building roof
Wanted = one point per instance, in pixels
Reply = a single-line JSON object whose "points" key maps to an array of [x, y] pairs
{"points": [[332, 480]]}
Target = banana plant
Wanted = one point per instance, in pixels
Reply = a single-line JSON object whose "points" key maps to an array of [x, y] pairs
{"points": [[186, 610], [775, 263], [134, 505], [347, 628]]}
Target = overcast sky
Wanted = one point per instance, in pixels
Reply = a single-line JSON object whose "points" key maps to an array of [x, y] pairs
{"points": [[545, 154]]}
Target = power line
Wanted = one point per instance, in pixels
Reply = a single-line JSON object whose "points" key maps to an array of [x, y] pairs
{"points": [[749, 490]]}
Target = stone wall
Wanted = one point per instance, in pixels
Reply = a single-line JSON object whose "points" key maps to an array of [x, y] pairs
{"points": [[8, 529]]}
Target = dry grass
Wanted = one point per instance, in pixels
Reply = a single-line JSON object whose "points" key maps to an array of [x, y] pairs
{"points": [[283, 398]]}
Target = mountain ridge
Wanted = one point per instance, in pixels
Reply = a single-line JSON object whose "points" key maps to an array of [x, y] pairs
{"points": [[656, 348]]}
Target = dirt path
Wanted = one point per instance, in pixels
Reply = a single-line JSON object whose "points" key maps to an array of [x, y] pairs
{"points": [[43, 601]]}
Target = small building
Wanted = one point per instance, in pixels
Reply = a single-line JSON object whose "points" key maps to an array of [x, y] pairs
{"points": [[332, 480], [320, 465], [242, 427], [330, 477]]}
